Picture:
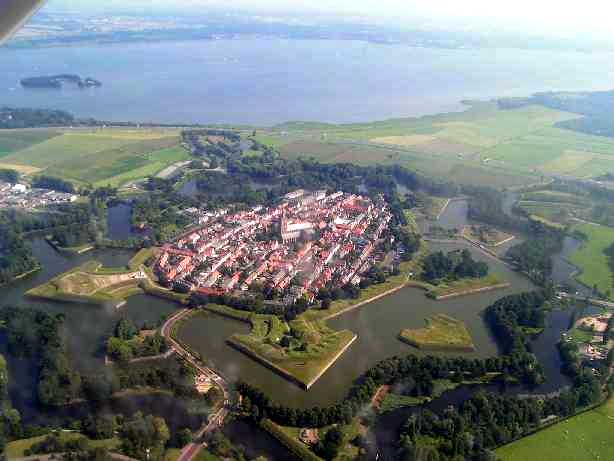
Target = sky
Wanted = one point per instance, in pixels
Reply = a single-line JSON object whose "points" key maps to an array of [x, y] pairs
{"points": [[562, 18]]}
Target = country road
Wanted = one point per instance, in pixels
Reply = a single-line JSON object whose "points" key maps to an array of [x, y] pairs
{"points": [[217, 419]]}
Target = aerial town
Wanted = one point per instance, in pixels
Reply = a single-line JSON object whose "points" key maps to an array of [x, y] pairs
{"points": [[29, 198], [308, 241]]}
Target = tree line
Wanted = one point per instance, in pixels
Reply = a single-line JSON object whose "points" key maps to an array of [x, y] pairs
{"points": [[12, 118], [534, 255], [517, 363], [452, 266]]}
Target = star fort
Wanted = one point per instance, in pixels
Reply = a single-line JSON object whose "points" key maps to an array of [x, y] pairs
{"points": [[310, 240]]}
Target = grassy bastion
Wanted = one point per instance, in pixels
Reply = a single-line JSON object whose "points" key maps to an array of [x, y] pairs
{"points": [[465, 287], [301, 351], [91, 283], [442, 333]]}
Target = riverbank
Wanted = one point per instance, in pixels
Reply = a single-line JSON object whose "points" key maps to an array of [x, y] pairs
{"points": [[23, 275], [81, 249], [465, 287]]}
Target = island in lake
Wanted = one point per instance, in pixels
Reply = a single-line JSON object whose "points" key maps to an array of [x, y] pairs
{"points": [[58, 81]]}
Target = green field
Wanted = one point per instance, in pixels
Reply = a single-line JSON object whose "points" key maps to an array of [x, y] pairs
{"points": [[587, 436], [99, 157], [16, 140], [550, 196], [591, 259], [483, 145], [441, 332]]}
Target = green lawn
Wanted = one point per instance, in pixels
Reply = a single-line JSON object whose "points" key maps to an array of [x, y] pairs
{"points": [[591, 259], [587, 436]]}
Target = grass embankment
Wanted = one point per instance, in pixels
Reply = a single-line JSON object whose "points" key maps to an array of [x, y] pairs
{"points": [[581, 437], [466, 286], [489, 237], [79, 249], [442, 332], [17, 448], [312, 348], [591, 259], [94, 284]]}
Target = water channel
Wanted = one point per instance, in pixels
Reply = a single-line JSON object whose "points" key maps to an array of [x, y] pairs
{"points": [[377, 325]]}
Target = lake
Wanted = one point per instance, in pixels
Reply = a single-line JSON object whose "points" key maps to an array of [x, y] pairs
{"points": [[267, 81]]}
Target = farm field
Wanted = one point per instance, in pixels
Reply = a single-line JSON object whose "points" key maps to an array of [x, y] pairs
{"points": [[587, 436], [15, 140], [98, 157], [483, 145], [591, 259]]}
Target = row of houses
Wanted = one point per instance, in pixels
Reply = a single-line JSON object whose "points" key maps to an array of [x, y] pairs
{"points": [[295, 248]]}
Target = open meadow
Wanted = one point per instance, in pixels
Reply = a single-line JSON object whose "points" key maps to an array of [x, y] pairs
{"points": [[587, 436], [591, 259], [98, 157], [483, 145]]}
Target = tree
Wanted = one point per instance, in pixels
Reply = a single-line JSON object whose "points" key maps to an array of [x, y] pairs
{"points": [[184, 437], [119, 349], [141, 435], [125, 329], [329, 447], [101, 427]]}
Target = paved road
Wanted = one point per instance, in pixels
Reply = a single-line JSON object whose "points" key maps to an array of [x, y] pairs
{"points": [[597, 302], [217, 419]]}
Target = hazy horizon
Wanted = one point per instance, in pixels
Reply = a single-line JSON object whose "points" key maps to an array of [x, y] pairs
{"points": [[548, 18]]}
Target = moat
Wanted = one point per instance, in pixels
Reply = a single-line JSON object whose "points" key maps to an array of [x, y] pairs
{"points": [[377, 326]]}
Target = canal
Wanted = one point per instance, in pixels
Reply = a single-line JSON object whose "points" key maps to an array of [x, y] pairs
{"points": [[377, 326]]}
